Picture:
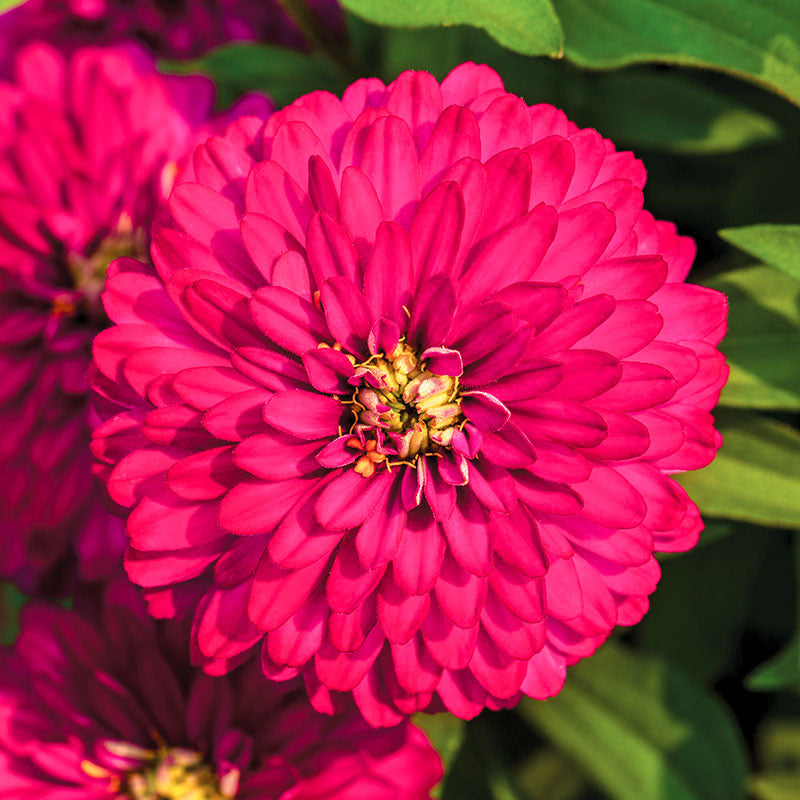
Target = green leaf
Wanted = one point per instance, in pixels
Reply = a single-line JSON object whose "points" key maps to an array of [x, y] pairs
{"points": [[7, 5], [778, 245], [446, 733], [550, 775], [755, 476], [11, 602], [783, 670], [283, 74], [763, 338], [670, 112], [780, 672], [643, 730], [530, 27], [758, 39], [776, 785]]}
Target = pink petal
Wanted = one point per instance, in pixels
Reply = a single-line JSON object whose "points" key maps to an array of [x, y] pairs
{"points": [[289, 320], [349, 498], [484, 410], [256, 507], [328, 370], [307, 415], [388, 277], [390, 162], [347, 315]]}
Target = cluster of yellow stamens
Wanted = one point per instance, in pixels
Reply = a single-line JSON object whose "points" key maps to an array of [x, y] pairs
{"points": [[88, 272], [417, 410], [166, 774]]}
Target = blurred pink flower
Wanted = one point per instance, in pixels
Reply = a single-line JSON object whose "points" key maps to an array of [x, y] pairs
{"points": [[89, 149], [111, 709], [407, 412], [174, 29]]}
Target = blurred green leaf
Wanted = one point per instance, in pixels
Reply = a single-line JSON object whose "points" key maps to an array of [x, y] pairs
{"points": [[283, 74], [763, 338], [776, 785], [778, 245], [758, 39], [530, 27], [549, 774], [11, 602], [756, 474], [643, 730], [670, 111], [783, 670], [704, 598], [479, 770], [6, 5], [778, 744], [780, 672], [446, 733]]}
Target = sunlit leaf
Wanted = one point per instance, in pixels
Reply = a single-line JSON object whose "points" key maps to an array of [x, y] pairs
{"points": [[763, 338], [643, 730], [529, 27], [758, 39], [5, 5], [778, 245], [756, 474], [776, 785]]}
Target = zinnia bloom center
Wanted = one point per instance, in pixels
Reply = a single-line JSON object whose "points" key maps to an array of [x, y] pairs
{"points": [[87, 271], [170, 773], [401, 409]]}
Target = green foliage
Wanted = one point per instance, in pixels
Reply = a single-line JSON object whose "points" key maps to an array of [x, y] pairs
{"points": [[6, 5], [529, 27], [764, 325], [282, 74], [446, 734], [778, 245], [755, 477], [758, 40], [643, 730], [705, 598]]}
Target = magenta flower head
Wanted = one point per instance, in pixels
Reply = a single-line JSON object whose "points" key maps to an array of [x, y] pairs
{"points": [[174, 29], [420, 370], [110, 710], [89, 149]]}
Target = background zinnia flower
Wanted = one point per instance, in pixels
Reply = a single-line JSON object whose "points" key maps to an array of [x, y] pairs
{"points": [[176, 29], [89, 147], [408, 411], [111, 709]]}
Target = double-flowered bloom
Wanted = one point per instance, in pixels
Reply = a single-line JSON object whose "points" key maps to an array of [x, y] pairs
{"points": [[173, 29], [90, 146], [400, 401], [109, 709]]}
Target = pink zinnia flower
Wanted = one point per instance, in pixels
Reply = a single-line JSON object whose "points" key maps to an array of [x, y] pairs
{"points": [[110, 709], [407, 413], [175, 29], [89, 149]]}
